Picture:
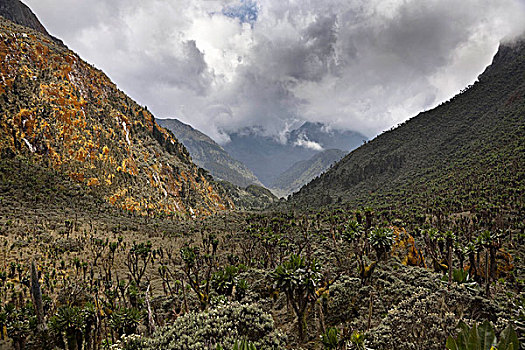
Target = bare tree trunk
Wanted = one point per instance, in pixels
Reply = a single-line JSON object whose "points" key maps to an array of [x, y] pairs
{"points": [[151, 321], [184, 295], [370, 306], [36, 294], [321, 318], [487, 274], [449, 264]]}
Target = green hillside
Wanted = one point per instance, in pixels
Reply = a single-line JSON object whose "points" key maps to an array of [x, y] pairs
{"points": [[466, 154], [304, 171], [207, 154]]}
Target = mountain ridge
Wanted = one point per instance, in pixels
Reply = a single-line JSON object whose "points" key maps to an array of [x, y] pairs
{"points": [[471, 144], [209, 155], [268, 157], [19, 13], [304, 171], [63, 113]]}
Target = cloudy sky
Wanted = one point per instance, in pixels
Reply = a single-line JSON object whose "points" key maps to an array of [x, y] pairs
{"points": [[220, 65]]}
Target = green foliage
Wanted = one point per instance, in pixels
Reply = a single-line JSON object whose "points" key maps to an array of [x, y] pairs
{"points": [[381, 239], [71, 323], [19, 322], [330, 339], [67, 319], [189, 255], [460, 276], [482, 337], [358, 339], [125, 321], [240, 345], [244, 345], [226, 280], [415, 296], [298, 279], [352, 230], [128, 342], [141, 250]]}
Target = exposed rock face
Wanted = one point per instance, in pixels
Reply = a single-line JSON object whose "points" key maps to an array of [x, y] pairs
{"points": [[19, 13]]}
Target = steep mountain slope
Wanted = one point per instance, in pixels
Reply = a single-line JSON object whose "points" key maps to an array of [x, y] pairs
{"points": [[268, 157], [304, 171], [207, 154], [19, 13], [59, 112], [467, 153]]}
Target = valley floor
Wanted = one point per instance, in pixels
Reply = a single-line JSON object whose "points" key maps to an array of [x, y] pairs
{"points": [[278, 280]]}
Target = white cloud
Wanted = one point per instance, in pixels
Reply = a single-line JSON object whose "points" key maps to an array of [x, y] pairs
{"points": [[221, 65], [304, 142]]}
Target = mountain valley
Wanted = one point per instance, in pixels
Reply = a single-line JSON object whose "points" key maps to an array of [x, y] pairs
{"points": [[269, 157], [122, 231]]}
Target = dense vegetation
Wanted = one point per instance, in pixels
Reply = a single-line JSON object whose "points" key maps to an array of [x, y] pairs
{"points": [[431, 259], [273, 280], [65, 114], [252, 197], [465, 155]]}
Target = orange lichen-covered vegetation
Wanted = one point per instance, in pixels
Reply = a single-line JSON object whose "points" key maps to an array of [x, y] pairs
{"points": [[405, 249], [61, 111]]}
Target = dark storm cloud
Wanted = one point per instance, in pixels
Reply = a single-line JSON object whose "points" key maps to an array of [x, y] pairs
{"points": [[311, 57], [223, 65]]}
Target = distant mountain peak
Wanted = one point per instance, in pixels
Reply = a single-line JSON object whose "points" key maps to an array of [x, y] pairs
{"points": [[319, 136], [269, 157], [310, 125]]}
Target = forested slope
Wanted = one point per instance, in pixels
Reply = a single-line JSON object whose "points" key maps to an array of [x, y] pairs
{"points": [[467, 153]]}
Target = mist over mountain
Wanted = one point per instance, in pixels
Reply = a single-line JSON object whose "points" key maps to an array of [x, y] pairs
{"points": [[229, 64], [268, 157], [307, 152]]}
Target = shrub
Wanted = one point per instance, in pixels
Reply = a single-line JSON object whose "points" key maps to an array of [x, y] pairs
{"points": [[219, 326], [381, 239]]}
